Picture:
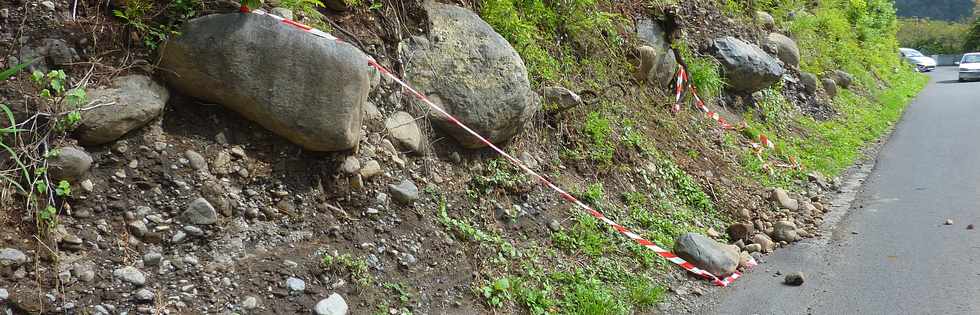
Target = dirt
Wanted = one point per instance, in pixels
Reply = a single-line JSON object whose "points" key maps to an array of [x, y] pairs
{"points": [[283, 208]]}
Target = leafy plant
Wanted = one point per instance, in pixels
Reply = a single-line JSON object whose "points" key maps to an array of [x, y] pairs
{"points": [[497, 292]]}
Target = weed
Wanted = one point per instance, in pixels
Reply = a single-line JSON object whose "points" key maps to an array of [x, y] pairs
{"points": [[497, 292], [703, 71], [403, 295], [466, 230], [598, 129], [357, 268], [309, 9], [498, 173], [137, 15]]}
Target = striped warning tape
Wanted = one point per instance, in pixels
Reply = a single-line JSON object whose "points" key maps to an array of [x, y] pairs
{"points": [[720, 281], [682, 78]]}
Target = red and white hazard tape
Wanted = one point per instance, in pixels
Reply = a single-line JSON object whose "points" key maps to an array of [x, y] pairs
{"points": [[724, 281], [683, 78]]}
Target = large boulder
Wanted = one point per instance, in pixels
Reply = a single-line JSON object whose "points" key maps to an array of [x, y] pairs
{"points": [[786, 49], [705, 253], [473, 73], [305, 88], [747, 67], [661, 64], [136, 100]]}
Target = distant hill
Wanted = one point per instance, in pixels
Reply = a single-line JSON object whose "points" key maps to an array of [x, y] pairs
{"points": [[947, 10]]}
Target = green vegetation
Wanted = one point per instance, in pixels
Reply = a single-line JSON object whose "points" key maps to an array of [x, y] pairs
{"points": [[858, 37], [347, 264], [946, 10], [933, 37]]}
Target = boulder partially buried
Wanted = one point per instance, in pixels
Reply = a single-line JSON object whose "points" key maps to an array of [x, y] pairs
{"points": [[473, 73], [747, 67], [786, 49], [661, 60], [705, 253], [305, 88], [131, 102]]}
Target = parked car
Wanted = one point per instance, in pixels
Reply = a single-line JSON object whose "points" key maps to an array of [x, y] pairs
{"points": [[916, 58], [970, 67]]}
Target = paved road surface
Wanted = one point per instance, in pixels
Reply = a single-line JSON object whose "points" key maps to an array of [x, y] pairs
{"points": [[902, 260]]}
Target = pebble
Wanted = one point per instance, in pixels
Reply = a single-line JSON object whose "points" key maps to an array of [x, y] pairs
{"points": [[152, 259], [250, 303], [144, 295], [193, 230], [554, 226], [201, 212], [948, 222], [178, 237], [295, 284], [753, 248], [88, 186], [130, 274], [84, 272], [405, 191], [290, 264], [4, 295], [371, 168], [197, 160], [351, 165], [48, 5], [332, 305], [794, 279]]}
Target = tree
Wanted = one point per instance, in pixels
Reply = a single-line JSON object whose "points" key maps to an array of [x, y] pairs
{"points": [[972, 42]]}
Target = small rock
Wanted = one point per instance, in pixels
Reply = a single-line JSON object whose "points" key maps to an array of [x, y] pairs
{"points": [[948, 222], [371, 168], [69, 163], [144, 295], [130, 274], [781, 196], [250, 303], [744, 258], [196, 160], [830, 86], [193, 230], [753, 248], [88, 186], [222, 163], [332, 305], [764, 240], [969, 227], [178, 237], [152, 259], [405, 192], [351, 165], [785, 231], [563, 97], [794, 279], [84, 272], [740, 231], [712, 233], [403, 127], [48, 5], [295, 284], [201, 212], [4, 295], [10, 257], [765, 19], [744, 214], [554, 226], [529, 160]]}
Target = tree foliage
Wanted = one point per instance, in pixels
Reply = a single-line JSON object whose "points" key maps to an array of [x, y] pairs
{"points": [[946, 10], [932, 36]]}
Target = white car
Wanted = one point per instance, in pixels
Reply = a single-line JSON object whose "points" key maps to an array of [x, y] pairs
{"points": [[970, 67], [916, 58]]}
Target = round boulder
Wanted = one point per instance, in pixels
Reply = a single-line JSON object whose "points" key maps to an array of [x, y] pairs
{"points": [[809, 81], [135, 101], [473, 73], [786, 49], [747, 67]]}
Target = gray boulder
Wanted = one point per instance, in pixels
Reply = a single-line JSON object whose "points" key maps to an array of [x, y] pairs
{"points": [[332, 305], [786, 49], [138, 100], [404, 192], [473, 73], [705, 253], [747, 67], [765, 19], [765, 243], [785, 231], [69, 163], [307, 89], [809, 81], [661, 60], [843, 79], [52, 53], [830, 86], [402, 127]]}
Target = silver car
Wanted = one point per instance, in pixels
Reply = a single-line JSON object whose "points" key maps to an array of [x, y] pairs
{"points": [[970, 67], [916, 58]]}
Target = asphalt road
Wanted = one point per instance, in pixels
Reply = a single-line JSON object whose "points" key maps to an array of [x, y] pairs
{"points": [[890, 253]]}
